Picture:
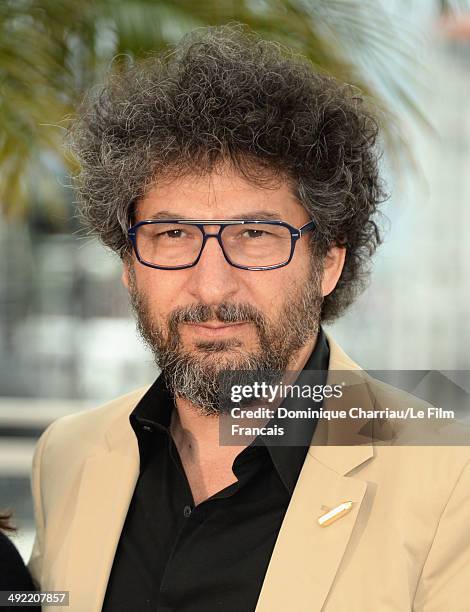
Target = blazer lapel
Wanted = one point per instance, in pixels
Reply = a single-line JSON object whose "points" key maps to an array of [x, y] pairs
{"points": [[105, 493], [307, 556]]}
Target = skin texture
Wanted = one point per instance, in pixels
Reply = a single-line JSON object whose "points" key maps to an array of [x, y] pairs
{"points": [[222, 195]]}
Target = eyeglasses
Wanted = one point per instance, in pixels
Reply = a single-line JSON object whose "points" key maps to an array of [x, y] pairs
{"points": [[175, 244]]}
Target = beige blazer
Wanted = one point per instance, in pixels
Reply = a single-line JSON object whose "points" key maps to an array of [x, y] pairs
{"points": [[405, 544]]}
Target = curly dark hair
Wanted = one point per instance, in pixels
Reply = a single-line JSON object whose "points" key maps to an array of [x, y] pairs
{"points": [[224, 94]]}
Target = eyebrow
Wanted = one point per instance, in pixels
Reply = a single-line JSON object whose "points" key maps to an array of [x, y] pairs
{"points": [[262, 215]]}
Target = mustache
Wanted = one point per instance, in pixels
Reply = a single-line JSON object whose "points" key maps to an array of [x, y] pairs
{"points": [[225, 312]]}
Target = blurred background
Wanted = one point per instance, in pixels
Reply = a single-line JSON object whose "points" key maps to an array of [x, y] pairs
{"points": [[67, 340]]}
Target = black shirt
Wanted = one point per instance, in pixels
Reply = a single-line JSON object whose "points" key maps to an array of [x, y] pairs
{"points": [[175, 556], [14, 575]]}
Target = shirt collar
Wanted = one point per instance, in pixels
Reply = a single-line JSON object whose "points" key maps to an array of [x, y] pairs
{"points": [[288, 459]]}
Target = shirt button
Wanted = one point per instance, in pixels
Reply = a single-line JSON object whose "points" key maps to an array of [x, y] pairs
{"points": [[187, 511], [147, 428]]}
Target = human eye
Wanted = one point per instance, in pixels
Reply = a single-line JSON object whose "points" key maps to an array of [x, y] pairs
{"points": [[251, 233], [255, 233], [174, 233]]}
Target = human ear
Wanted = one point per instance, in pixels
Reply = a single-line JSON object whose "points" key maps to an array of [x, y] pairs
{"points": [[333, 264]]}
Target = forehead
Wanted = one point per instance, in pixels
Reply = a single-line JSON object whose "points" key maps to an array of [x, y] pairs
{"points": [[221, 195]]}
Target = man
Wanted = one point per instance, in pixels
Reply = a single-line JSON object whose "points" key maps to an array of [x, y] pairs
{"points": [[240, 189]]}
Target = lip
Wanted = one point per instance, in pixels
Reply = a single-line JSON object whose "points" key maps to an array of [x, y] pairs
{"points": [[215, 328]]}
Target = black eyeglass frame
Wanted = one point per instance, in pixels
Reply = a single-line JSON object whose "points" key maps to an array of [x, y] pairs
{"points": [[295, 233]]}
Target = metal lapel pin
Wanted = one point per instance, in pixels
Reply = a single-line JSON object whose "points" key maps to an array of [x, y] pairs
{"points": [[334, 514]]}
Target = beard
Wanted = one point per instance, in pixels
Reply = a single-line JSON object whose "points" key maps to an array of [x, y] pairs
{"points": [[198, 376]]}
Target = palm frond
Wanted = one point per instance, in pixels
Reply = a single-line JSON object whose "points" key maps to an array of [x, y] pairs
{"points": [[52, 51]]}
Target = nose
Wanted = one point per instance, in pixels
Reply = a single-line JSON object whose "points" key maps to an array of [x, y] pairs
{"points": [[213, 280]]}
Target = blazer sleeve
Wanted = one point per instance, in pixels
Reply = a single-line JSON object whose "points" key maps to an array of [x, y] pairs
{"points": [[445, 579], [35, 561]]}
